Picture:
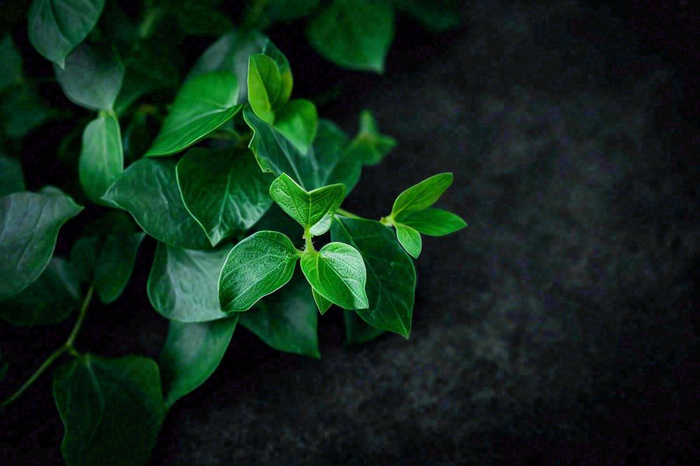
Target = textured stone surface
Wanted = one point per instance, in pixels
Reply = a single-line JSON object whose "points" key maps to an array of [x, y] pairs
{"points": [[559, 327]]}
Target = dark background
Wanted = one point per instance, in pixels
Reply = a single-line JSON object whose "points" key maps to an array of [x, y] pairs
{"points": [[560, 327]]}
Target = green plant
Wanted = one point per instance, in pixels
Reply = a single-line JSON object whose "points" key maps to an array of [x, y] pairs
{"points": [[234, 187]]}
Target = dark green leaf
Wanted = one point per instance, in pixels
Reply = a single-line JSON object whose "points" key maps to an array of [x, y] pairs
{"points": [[264, 85], [11, 179], [432, 222], [112, 409], [201, 106], [47, 301], [224, 190], [191, 353], [21, 111], [422, 195], [354, 34], [29, 225], [435, 15], [91, 77], [56, 27], [297, 120], [357, 331], [286, 320], [199, 19], [333, 164], [148, 191], [182, 285], [257, 266], [287, 10], [101, 156], [369, 146], [410, 239], [322, 303], [11, 70], [391, 276], [337, 272]]}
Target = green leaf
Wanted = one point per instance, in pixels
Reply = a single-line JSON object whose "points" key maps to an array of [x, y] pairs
{"points": [[11, 179], [29, 225], [435, 15], [391, 275], [56, 27], [101, 157], [230, 53], [307, 208], [107, 262], [182, 285], [322, 303], [337, 272], [256, 267], [201, 106], [21, 111], [354, 34], [191, 353], [432, 222], [91, 77], [297, 120], [264, 85], [286, 320], [199, 19], [410, 239], [276, 154], [369, 146], [357, 331], [285, 71], [11, 71], [148, 191], [224, 191], [112, 409], [287, 10], [334, 166], [48, 300], [422, 195]]}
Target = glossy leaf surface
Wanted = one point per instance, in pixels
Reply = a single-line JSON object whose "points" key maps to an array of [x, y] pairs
{"points": [[422, 195], [101, 157], [432, 222], [191, 353], [264, 84], [410, 239], [257, 266], [297, 120]]}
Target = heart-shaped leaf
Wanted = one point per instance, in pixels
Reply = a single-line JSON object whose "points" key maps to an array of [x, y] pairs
{"points": [[101, 157]]}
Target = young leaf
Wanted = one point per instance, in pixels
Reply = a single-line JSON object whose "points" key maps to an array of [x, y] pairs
{"points": [[322, 303], [11, 71], [47, 301], [201, 106], [410, 239], [264, 85], [432, 222], [91, 77], [29, 225], [286, 79], [391, 280], [286, 320], [307, 208], [297, 120], [101, 157], [191, 353], [369, 146], [422, 195], [11, 178], [257, 266], [357, 331], [337, 272], [182, 285], [354, 34], [148, 191], [333, 164], [57, 26], [112, 409], [225, 191]]}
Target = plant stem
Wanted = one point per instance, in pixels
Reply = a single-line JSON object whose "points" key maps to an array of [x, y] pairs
{"points": [[345, 213], [66, 347], [308, 243]]}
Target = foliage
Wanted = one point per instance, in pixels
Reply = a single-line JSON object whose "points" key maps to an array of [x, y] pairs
{"points": [[232, 177]]}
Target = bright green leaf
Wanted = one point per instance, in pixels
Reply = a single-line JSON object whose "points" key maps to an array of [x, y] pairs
{"points": [[391, 276], [264, 85], [112, 409], [432, 222], [224, 190], [91, 77], [410, 239], [307, 208], [101, 157], [11, 179], [29, 225], [369, 146], [286, 320], [422, 195], [322, 303], [148, 191], [191, 353], [337, 272], [285, 71], [357, 331], [201, 106], [56, 27], [354, 34], [297, 120], [11, 70], [257, 266], [182, 285]]}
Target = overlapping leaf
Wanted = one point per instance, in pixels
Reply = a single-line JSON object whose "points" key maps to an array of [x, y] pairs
{"points": [[101, 157], [432, 222]]}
